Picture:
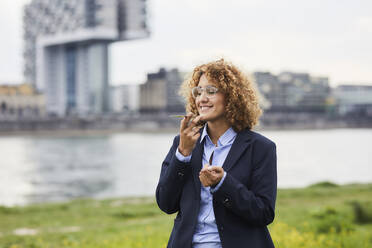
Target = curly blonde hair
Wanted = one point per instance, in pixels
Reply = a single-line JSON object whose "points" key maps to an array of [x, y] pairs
{"points": [[242, 107]]}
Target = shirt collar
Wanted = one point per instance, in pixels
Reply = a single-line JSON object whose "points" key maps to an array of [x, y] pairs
{"points": [[225, 138]]}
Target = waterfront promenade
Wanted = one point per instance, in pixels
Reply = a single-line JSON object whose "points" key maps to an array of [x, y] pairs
{"points": [[163, 121]]}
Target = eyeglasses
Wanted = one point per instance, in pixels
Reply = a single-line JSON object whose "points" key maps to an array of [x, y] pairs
{"points": [[210, 90]]}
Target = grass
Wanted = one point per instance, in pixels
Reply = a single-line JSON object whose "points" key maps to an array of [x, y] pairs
{"points": [[322, 215]]}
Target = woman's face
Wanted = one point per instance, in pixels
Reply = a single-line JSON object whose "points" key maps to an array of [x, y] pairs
{"points": [[211, 108]]}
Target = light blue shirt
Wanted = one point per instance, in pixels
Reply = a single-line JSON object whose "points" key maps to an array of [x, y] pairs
{"points": [[206, 228]]}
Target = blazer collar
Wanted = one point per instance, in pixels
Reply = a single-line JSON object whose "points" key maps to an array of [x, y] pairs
{"points": [[242, 140]]}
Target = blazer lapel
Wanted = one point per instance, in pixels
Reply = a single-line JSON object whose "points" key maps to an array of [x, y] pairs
{"points": [[196, 162], [242, 140]]}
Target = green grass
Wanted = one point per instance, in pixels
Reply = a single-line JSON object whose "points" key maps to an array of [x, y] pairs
{"points": [[322, 215]]}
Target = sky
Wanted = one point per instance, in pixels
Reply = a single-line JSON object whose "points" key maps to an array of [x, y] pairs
{"points": [[331, 38]]}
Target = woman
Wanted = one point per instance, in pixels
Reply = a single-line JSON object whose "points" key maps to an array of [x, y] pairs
{"points": [[219, 177]]}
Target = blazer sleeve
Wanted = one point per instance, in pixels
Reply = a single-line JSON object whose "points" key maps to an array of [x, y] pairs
{"points": [[172, 179], [256, 204]]}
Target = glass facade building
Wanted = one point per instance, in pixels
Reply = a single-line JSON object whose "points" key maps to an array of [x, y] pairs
{"points": [[66, 49]]}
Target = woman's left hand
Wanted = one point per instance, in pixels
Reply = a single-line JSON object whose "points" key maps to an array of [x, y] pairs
{"points": [[211, 175]]}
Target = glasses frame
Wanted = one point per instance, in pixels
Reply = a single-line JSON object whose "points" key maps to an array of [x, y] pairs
{"points": [[205, 89]]}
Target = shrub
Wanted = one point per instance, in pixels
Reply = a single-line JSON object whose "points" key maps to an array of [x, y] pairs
{"points": [[362, 212], [330, 220], [325, 184]]}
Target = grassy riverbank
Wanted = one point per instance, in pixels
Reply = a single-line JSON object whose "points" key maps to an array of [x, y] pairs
{"points": [[323, 215]]}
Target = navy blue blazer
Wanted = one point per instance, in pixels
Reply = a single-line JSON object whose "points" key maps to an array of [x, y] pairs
{"points": [[244, 204]]}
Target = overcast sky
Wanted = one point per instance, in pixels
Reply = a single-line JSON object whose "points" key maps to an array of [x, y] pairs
{"points": [[322, 37]]}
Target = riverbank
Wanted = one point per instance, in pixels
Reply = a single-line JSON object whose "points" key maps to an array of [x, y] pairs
{"points": [[175, 130], [84, 132], [162, 122], [322, 215]]}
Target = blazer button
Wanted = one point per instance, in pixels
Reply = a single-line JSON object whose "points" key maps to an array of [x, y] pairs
{"points": [[221, 228], [180, 174], [227, 202]]}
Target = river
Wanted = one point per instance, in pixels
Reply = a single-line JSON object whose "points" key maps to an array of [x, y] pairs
{"points": [[51, 168]]}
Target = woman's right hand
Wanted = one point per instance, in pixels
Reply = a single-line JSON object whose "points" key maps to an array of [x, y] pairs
{"points": [[189, 134]]}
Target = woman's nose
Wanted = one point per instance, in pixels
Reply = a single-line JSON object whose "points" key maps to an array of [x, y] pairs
{"points": [[203, 96]]}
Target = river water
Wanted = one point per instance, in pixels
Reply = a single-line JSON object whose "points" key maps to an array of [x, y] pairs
{"points": [[46, 169]]}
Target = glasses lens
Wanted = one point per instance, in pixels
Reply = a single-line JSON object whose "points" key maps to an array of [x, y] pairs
{"points": [[211, 90], [196, 91]]}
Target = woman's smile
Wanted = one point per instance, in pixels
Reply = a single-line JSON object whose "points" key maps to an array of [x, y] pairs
{"points": [[204, 109]]}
